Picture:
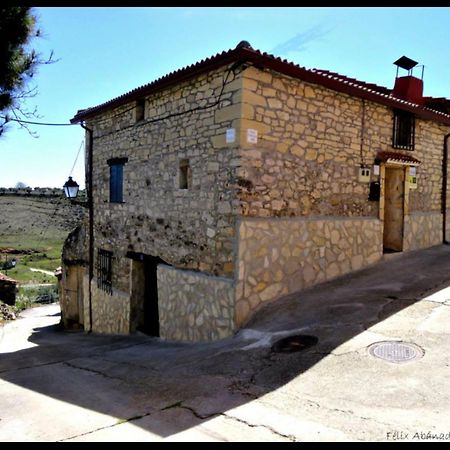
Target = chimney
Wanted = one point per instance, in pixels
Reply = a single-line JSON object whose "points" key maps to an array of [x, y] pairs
{"points": [[408, 87]]}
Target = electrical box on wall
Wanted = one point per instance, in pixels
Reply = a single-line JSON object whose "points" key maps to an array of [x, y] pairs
{"points": [[412, 181], [364, 175], [412, 178]]}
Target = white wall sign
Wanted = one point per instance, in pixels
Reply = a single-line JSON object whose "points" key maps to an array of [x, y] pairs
{"points": [[412, 171], [252, 136], [230, 135]]}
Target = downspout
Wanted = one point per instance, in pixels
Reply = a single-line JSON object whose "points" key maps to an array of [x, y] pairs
{"points": [[444, 189], [91, 217]]}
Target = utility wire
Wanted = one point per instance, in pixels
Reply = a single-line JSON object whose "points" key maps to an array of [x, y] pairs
{"points": [[224, 83], [76, 159], [9, 119], [197, 108]]}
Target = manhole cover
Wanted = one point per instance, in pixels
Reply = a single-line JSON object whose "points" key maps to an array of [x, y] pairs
{"points": [[396, 351], [294, 343]]}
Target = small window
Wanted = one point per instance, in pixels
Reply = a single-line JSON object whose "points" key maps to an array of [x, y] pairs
{"points": [[185, 174], [116, 179], [104, 270], [403, 130], [140, 109]]}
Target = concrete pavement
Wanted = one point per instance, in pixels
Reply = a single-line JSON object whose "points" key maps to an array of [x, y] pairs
{"points": [[71, 386]]}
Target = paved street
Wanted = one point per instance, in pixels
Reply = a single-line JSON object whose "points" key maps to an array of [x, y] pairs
{"points": [[71, 386]]}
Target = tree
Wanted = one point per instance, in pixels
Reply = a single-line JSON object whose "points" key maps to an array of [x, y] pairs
{"points": [[21, 185], [18, 62]]}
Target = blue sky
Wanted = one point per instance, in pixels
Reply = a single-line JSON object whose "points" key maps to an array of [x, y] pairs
{"points": [[106, 51]]}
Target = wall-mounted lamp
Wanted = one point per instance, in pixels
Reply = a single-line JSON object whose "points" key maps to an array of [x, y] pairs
{"points": [[71, 188]]}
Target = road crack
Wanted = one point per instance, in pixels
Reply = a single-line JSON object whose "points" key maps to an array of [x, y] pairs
{"points": [[291, 437], [97, 372]]}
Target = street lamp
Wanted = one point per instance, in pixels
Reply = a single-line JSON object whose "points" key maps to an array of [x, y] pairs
{"points": [[71, 188]]}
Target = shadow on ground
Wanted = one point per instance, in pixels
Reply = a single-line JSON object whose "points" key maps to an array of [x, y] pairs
{"points": [[167, 387]]}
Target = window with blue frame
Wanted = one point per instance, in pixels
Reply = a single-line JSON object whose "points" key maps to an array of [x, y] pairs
{"points": [[116, 179]]}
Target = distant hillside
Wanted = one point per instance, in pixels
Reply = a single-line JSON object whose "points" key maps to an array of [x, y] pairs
{"points": [[39, 212]]}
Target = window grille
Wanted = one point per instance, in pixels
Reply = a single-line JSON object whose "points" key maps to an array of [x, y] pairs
{"points": [[403, 130], [104, 270]]}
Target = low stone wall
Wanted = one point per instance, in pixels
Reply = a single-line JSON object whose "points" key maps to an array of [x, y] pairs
{"points": [[37, 192], [194, 306], [280, 256], [422, 230], [110, 313]]}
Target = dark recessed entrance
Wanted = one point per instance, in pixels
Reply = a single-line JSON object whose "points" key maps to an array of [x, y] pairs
{"points": [[144, 311], [151, 314]]}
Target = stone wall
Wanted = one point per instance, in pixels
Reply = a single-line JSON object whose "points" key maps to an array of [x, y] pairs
{"points": [[35, 192], [422, 230], [110, 313], [157, 217], [280, 256], [71, 296], [311, 142], [193, 306], [75, 266], [304, 166], [257, 220], [191, 228]]}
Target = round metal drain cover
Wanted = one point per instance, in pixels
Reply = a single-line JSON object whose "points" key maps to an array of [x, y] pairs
{"points": [[396, 351], [294, 343]]}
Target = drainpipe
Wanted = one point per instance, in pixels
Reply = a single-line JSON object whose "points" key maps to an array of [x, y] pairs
{"points": [[444, 189], [91, 217]]}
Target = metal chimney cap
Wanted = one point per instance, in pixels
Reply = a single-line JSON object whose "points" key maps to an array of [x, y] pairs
{"points": [[243, 44], [405, 63]]}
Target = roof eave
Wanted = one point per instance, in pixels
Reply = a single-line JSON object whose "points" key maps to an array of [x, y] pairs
{"points": [[270, 62], [161, 83], [348, 88]]}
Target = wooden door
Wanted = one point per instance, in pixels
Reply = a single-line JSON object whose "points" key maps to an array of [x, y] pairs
{"points": [[394, 197]]}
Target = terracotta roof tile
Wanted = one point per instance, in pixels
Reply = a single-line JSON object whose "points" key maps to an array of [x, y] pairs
{"points": [[394, 157], [3, 277], [331, 80]]}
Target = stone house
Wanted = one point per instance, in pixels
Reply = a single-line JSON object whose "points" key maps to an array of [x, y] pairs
{"points": [[8, 289], [242, 178]]}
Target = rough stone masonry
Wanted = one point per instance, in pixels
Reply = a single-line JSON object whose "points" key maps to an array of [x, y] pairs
{"points": [[236, 222]]}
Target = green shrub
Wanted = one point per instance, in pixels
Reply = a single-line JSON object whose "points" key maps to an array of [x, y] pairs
{"points": [[28, 297]]}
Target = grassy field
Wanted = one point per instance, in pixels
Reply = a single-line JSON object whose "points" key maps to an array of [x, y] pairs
{"points": [[33, 230], [37, 253]]}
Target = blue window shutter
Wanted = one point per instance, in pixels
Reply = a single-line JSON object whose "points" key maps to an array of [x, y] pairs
{"points": [[116, 183]]}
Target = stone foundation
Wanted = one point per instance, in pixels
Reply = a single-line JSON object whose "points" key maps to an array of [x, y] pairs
{"points": [[281, 256], [194, 306], [110, 313], [422, 230]]}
